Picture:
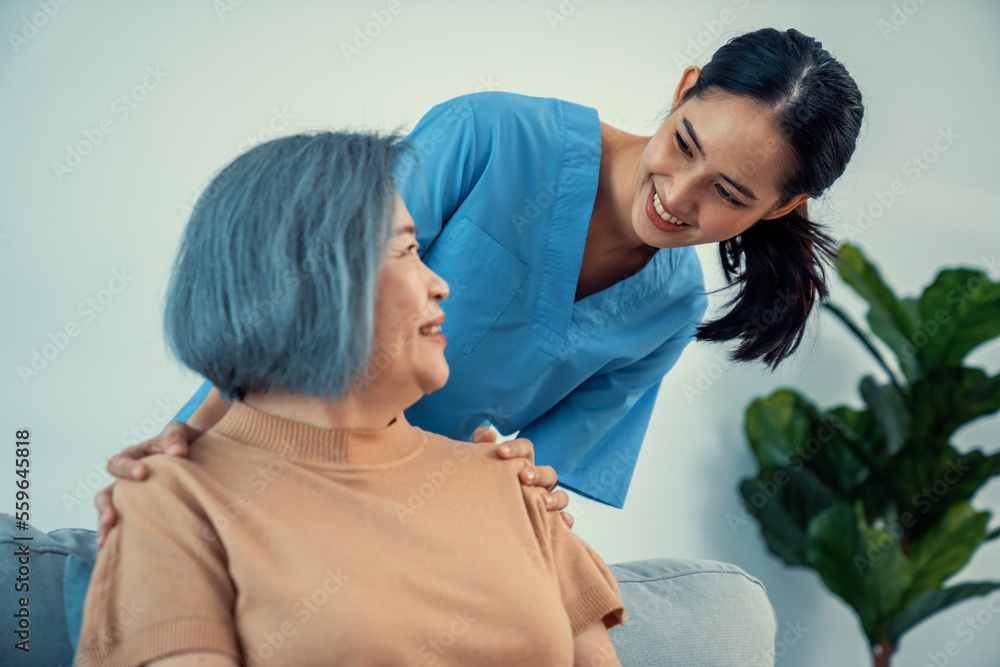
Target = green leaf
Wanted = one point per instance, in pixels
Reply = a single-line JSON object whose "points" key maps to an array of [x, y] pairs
{"points": [[949, 398], [852, 424], [912, 307], [784, 500], [933, 476], [946, 548], [886, 315], [890, 411], [785, 429], [959, 311], [783, 536], [857, 441], [778, 427], [934, 601], [864, 565]]}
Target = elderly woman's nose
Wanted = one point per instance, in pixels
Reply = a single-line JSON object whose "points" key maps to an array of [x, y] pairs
{"points": [[437, 286]]}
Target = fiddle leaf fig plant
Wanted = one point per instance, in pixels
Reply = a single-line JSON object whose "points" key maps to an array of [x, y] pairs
{"points": [[877, 499]]}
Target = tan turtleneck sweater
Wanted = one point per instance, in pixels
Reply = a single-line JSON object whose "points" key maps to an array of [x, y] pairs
{"points": [[281, 543]]}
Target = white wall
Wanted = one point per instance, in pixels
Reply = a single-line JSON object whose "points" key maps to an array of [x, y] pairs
{"points": [[228, 75]]}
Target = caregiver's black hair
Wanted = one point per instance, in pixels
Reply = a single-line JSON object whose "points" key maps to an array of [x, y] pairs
{"points": [[778, 264]]}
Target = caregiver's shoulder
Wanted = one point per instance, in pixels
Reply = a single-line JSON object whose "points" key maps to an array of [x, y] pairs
{"points": [[487, 106]]}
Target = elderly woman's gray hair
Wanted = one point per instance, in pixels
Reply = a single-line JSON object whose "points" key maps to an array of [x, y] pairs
{"points": [[274, 283]]}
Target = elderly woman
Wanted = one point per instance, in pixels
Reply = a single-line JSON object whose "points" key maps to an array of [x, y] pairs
{"points": [[312, 524]]}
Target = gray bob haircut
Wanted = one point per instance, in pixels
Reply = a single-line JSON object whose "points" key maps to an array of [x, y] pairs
{"points": [[274, 282]]}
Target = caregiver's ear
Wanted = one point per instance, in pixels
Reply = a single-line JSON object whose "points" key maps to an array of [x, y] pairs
{"points": [[784, 209], [688, 79]]}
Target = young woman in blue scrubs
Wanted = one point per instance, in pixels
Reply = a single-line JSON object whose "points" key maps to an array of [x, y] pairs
{"points": [[573, 293], [567, 245]]}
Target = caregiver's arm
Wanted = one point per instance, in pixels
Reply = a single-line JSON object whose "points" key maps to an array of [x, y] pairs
{"points": [[593, 647]]}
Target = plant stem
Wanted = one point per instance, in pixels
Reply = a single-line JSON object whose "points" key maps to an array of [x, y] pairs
{"points": [[882, 653], [856, 330]]}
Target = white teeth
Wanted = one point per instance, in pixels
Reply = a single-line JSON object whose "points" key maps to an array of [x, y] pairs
{"points": [[663, 214], [430, 330]]}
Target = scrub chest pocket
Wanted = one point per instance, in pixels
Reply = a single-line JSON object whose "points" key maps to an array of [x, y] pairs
{"points": [[482, 275]]}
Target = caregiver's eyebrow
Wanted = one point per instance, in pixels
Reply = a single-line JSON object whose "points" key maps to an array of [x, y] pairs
{"points": [[742, 189]]}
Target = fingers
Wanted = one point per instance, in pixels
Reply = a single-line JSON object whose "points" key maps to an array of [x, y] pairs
{"points": [[484, 434], [106, 514], [173, 441], [543, 476], [557, 500], [125, 465], [518, 448]]}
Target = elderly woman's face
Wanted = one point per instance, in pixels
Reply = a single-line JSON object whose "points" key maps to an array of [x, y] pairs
{"points": [[407, 351]]}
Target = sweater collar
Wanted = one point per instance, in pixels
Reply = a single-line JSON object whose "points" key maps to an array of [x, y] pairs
{"points": [[348, 448]]}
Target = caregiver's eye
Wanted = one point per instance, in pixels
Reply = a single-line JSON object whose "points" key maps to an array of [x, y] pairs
{"points": [[681, 144], [728, 197]]}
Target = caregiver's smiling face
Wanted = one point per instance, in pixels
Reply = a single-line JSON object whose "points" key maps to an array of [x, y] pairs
{"points": [[715, 167], [407, 352]]}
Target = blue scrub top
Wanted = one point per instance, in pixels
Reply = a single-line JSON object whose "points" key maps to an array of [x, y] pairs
{"points": [[501, 188]]}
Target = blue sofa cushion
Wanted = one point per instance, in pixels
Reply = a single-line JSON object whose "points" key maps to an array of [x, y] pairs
{"points": [[59, 566]]}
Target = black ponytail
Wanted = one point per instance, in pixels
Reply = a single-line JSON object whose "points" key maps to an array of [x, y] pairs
{"points": [[778, 265]]}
